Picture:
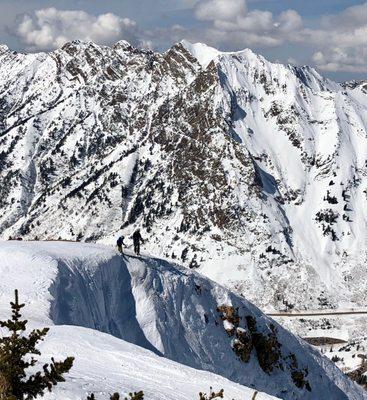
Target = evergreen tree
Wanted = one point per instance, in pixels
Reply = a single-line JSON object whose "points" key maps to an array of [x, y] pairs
{"points": [[135, 396], [16, 356], [116, 396], [212, 395]]}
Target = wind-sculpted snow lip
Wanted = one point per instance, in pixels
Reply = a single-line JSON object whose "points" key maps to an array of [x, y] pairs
{"points": [[167, 309]]}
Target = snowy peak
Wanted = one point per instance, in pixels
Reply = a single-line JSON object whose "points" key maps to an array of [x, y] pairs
{"points": [[3, 48], [123, 45], [248, 59], [203, 53]]}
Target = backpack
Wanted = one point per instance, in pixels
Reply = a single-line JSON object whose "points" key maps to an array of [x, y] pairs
{"points": [[120, 241]]}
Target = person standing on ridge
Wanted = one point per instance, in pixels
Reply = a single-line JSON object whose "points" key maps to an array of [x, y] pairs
{"points": [[137, 239], [120, 243]]}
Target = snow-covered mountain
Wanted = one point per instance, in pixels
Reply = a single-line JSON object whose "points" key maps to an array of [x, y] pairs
{"points": [[82, 290], [250, 171]]}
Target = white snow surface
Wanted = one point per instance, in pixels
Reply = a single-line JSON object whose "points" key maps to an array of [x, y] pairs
{"points": [[162, 309], [352, 354], [202, 52], [251, 171], [104, 364]]}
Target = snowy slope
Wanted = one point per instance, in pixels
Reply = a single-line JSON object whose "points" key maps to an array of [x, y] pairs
{"points": [[350, 357], [104, 365], [166, 309], [252, 172]]}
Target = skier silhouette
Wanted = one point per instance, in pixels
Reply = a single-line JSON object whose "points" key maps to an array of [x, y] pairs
{"points": [[120, 243], [137, 239]]}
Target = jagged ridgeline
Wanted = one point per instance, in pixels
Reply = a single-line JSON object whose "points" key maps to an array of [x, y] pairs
{"points": [[252, 172]]}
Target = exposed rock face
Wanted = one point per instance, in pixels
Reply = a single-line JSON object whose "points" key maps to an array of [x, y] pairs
{"points": [[356, 84], [253, 172]]}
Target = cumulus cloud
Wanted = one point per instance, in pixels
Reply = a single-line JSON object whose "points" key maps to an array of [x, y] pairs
{"points": [[336, 59], [290, 21], [232, 22], [49, 28], [338, 42], [341, 41], [352, 17], [226, 10]]}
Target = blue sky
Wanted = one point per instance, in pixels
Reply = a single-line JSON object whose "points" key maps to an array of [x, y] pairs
{"points": [[330, 35]]}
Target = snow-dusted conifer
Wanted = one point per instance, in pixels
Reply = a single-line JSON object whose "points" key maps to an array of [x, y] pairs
{"points": [[16, 356], [211, 395]]}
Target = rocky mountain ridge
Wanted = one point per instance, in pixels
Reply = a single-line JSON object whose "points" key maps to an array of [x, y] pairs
{"points": [[252, 172]]}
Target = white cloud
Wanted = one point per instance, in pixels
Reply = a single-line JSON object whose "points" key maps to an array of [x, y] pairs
{"points": [[336, 59], [339, 41], [49, 28], [225, 10], [290, 21], [292, 61], [352, 17], [256, 21], [233, 24]]}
